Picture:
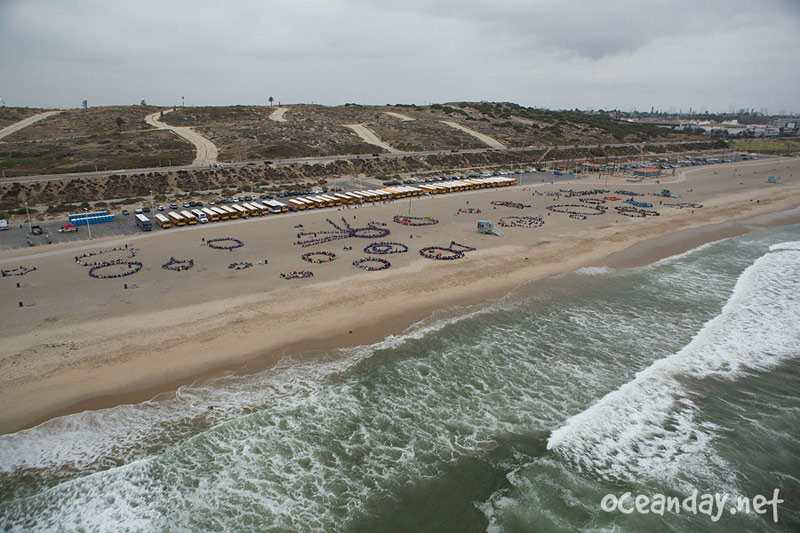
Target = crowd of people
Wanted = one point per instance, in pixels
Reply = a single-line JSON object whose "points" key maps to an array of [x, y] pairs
{"points": [[297, 274], [441, 253], [81, 259], [372, 263], [569, 193], [19, 271], [318, 257], [684, 205], [515, 205], [408, 220], [385, 247], [240, 265], [345, 231], [224, 243], [521, 222], [634, 212], [178, 264], [135, 266], [578, 210], [468, 211], [628, 193]]}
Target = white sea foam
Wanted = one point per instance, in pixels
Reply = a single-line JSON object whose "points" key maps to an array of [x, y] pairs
{"points": [[648, 428], [594, 271], [687, 253]]}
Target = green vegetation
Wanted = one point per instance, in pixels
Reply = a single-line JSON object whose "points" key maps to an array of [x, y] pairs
{"points": [[783, 146]]}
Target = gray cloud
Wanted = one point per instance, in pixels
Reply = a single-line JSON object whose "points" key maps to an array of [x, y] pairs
{"points": [[617, 53]]}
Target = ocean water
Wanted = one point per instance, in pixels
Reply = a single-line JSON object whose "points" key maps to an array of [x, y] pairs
{"points": [[516, 415]]}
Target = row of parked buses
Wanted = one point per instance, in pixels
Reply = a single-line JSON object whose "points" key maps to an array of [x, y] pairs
{"points": [[255, 209]]}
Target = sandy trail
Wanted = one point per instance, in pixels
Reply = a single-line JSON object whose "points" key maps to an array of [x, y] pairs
{"points": [[5, 132], [404, 118], [488, 141], [370, 137], [521, 120], [278, 114], [207, 151]]}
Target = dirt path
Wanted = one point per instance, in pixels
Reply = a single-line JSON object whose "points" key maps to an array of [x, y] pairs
{"points": [[5, 132], [206, 150], [369, 137], [404, 118], [488, 141], [278, 114]]}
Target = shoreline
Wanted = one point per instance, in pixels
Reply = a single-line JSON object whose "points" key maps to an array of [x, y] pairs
{"points": [[490, 276]]}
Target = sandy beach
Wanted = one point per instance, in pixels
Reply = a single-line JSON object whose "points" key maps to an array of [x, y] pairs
{"points": [[79, 343]]}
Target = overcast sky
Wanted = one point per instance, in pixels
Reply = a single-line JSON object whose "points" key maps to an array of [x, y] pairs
{"points": [[704, 54]]}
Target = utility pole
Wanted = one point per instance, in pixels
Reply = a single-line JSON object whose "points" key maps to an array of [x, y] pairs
{"points": [[30, 229], [88, 225]]}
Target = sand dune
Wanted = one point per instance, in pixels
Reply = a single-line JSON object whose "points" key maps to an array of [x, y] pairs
{"points": [[206, 150], [8, 130], [370, 137], [488, 141], [278, 114]]}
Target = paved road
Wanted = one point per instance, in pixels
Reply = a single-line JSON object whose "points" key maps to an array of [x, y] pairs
{"points": [[311, 161], [8, 130], [206, 150]]}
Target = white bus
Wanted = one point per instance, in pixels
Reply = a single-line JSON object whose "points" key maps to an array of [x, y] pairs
{"points": [[144, 223], [191, 219], [201, 217]]}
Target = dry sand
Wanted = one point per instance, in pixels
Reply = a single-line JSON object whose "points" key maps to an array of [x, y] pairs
{"points": [[404, 118], [279, 114], [80, 342], [206, 151], [488, 141], [8, 130], [370, 137]]}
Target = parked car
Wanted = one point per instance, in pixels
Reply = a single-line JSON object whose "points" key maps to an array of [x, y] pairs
{"points": [[267, 162], [138, 211], [146, 209], [293, 209], [125, 212], [160, 208], [67, 228], [198, 204], [173, 206], [186, 205], [36, 230]]}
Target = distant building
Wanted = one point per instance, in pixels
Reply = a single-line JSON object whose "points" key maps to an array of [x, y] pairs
{"points": [[647, 172]]}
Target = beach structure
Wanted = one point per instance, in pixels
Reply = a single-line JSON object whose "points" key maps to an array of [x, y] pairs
{"points": [[647, 172], [487, 228], [95, 217]]}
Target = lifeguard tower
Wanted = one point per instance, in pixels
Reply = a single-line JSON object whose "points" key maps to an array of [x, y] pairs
{"points": [[486, 227]]}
